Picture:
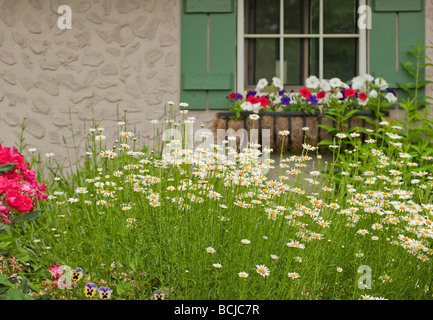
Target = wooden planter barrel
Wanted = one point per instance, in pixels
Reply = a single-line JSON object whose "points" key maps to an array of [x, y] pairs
{"points": [[293, 121]]}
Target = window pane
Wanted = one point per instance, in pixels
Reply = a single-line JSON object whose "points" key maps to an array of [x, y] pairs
{"points": [[314, 16], [314, 59], [339, 58], [293, 18], [293, 61], [262, 61], [339, 16], [262, 17]]}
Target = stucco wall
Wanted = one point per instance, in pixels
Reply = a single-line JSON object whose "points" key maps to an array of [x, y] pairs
{"points": [[119, 54], [123, 53]]}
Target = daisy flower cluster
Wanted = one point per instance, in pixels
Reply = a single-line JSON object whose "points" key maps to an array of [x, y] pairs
{"points": [[201, 217]]}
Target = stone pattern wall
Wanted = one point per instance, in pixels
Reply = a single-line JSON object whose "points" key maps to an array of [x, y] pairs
{"points": [[119, 54]]}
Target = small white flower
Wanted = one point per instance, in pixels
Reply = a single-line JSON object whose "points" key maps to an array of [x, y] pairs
{"points": [[100, 137], [390, 97], [210, 250], [247, 106], [373, 94], [261, 84], [277, 83], [381, 83], [335, 83], [324, 84], [312, 82]]}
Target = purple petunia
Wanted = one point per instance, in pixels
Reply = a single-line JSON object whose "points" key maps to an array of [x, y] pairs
{"points": [[313, 99], [285, 101], [251, 93], [238, 96]]}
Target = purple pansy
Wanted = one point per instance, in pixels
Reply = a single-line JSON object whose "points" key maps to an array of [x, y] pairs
{"points": [[90, 289], [158, 296], [105, 292], [77, 274]]}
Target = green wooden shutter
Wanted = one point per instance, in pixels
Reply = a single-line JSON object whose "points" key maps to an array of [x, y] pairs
{"points": [[208, 52], [396, 24]]}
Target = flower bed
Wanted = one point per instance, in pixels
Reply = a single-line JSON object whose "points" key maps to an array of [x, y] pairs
{"points": [[19, 189], [363, 93], [320, 104]]}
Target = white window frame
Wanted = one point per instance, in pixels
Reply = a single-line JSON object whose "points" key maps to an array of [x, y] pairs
{"points": [[241, 37]]}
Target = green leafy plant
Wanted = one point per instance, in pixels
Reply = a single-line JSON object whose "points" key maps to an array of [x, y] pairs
{"points": [[417, 127]]}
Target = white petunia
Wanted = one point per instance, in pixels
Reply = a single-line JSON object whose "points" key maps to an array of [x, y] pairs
{"points": [[390, 97], [312, 82], [381, 83], [277, 83], [261, 84], [335, 83]]}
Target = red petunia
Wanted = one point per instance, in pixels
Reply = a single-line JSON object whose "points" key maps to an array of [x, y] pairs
{"points": [[264, 101], [349, 93], [321, 94], [252, 99], [232, 95], [362, 96], [305, 93]]}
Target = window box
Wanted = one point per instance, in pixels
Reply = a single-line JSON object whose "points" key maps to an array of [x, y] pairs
{"points": [[293, 121]]}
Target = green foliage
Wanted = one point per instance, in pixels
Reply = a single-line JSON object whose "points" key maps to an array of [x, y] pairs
{"points": [[418, 125], [7, 167]]}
